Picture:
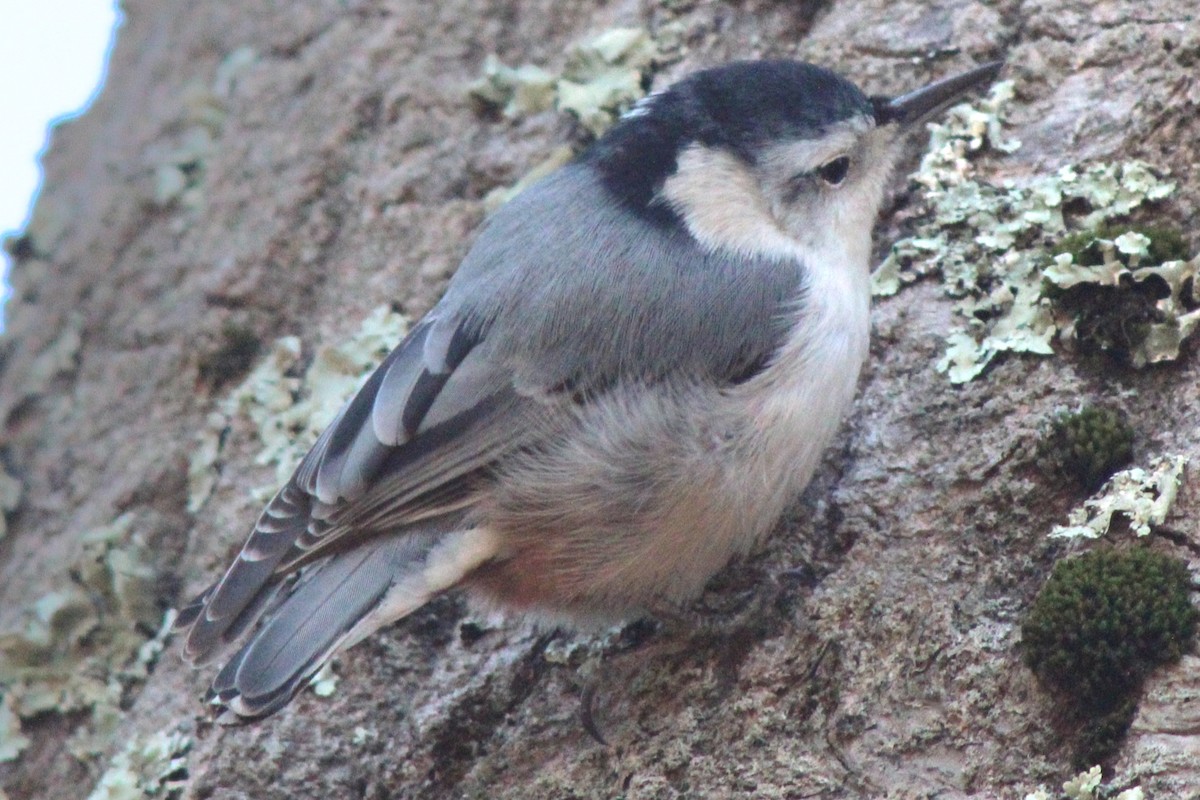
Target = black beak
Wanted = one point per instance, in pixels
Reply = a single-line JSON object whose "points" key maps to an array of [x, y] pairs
{"points": [[929, 100]]}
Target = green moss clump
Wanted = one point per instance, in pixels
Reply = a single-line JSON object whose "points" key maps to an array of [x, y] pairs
{"points": [[1166, 244], [1106, 619], [1101, 624], [1088, 445], [1113, 319], [1117, 319]]}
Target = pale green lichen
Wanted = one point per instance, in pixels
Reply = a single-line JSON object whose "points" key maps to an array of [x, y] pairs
{"points": [[1087, 786], [10, 498], [270, 389], [288, 411], [954, 203], [231, 68], [83, 645], [325, 682], [154, 766], [1084, 785], [179, 170], [335, 374], [179, 173], [1143, 496], [603, 76], [203, 468], [601, 79], [993, 245], [516, 91], [12, 741]]}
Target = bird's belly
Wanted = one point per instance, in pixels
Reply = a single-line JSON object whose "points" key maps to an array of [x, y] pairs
{"points": [[650, 497]]}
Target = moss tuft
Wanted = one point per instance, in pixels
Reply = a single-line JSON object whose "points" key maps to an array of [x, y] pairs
{"points": [[1101, 624], [1088, 445]]}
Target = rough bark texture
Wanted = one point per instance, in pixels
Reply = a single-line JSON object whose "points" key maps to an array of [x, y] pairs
{"points": [[349, 172]]}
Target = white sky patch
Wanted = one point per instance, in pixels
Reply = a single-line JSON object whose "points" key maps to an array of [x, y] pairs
{"points": [[53, 55]]}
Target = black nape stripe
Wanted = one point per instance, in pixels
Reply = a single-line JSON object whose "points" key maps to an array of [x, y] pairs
{"points": [[737, 108]]}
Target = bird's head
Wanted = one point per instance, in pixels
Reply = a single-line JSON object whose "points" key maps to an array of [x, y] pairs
{"points": [[757, 156]]}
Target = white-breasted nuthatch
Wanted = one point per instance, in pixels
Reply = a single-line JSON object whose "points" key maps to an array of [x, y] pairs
{"points": [[632, 374]]}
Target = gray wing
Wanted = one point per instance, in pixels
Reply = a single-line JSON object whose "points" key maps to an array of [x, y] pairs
{"points": [[405, 450], [587, 292], [565, 294]]}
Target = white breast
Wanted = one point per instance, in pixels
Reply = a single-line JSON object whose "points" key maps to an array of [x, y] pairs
{"points": [[788, 413], [796, 405]]}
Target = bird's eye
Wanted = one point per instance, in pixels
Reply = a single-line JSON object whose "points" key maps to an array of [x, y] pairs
{"points": [[834, 172]]}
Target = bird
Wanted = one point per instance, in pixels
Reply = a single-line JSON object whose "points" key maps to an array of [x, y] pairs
{"points": [[629, 378]]}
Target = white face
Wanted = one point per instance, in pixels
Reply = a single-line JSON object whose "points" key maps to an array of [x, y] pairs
{"points": [[801, 196], [830, 186]]}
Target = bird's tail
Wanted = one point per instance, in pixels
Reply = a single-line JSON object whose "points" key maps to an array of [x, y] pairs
{"points": [[333, 605]]}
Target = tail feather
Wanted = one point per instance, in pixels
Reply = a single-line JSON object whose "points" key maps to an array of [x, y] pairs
{"points": [[201, 649], [263, 606], [222, 606], [191, 612], [310, 624], [335, 604]]}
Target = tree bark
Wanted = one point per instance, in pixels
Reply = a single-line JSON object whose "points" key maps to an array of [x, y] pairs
{"points": [[345, 168]]}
